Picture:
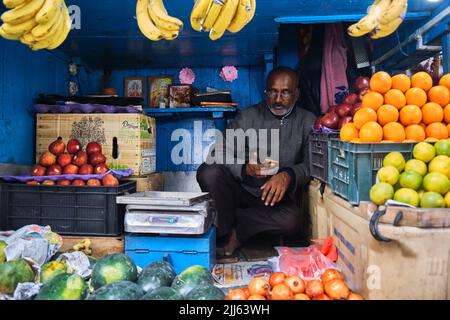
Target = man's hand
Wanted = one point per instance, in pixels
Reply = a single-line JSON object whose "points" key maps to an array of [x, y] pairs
{"points": [[256, 170], [275, 189]]}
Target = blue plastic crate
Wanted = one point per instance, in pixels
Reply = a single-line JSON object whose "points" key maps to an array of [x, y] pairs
{"points": [[318, 152], [180, 251], [352, 167]]}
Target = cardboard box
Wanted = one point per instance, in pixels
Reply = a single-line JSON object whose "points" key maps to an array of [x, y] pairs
{"points": [[128, 140], [151, 182]]}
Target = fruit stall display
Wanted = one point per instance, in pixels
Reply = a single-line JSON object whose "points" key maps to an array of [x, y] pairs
{"points": [[75, 161], [401, 109], [423, 181], [280, 286]]}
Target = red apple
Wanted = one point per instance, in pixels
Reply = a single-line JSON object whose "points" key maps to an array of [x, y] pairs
{"points": [[361, 83], [96, 158], [33, 183], [54, 170], [101, 168], [351, 99], [38, 170], [93, 147], [344, 110], [330, 120], [110, 181], [47, 159], [63, 183], [71, 169], [355, 108], [86, 169], [345, 120], [332, 109], [65, 159], [80, 158], [73, 146], [93, 182], [362, 93], [57, 147], [48, 183], [78, 183]]}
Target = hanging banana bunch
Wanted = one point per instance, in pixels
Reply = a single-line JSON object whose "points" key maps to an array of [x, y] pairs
{"points": [[218, 16], [382, 19], [39, 24], [154, 21]]}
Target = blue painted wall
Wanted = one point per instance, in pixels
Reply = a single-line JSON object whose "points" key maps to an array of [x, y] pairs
{"points": [[23, 75], [246, 90]]}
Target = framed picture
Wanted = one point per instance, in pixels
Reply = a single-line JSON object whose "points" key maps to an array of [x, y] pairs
{"points": [[134, 87], [158, 93], [180, 96]]}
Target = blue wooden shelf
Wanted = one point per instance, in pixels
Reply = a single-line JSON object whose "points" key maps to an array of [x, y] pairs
{"points": [[217, 112]]}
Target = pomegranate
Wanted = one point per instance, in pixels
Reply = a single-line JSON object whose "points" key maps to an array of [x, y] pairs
{"points": [[276, 278], [301, 296], [354, 296], [351, 99], [247, 292], [330, 120], [355, 108], [86, 169], [110, 181], [336, 289], [256, 297], [96, 158], [38, 170], [344, 110], [78, 183], [47, 159], [48, 183], [71, 169], [80, 158], [54, 170], [281, 292], [317, 124], [237, 294], [93, 147], [295, 284], [314, 288], [33, 183], [93, 182], [259, 286], [331, 274], [361, 83], [63, 183], [73, 146], [65, 159], [101, 168], [57, 147], [321, 297]]}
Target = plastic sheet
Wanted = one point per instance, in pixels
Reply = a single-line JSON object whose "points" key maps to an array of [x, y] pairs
{"points": [[116, 173], [84, 108]]}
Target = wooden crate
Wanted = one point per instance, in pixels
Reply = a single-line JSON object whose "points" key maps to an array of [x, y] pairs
{"points": [[151, 182], [101, 246], [128, 140]]}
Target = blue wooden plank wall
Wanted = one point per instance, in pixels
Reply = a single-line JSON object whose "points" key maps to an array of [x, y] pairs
{"points": [[24, 74], [246, 90]]}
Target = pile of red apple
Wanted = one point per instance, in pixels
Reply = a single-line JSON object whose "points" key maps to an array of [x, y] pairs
{"points": [[339, 115], [57, 161]]}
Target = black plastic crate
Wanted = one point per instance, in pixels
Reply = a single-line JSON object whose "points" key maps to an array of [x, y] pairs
{"points": [[69, 210], [318, 151]]}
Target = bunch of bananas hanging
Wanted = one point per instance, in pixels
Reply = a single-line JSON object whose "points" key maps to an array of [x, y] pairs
{"points": [[217, 16], [39, 24], [382, 19], [154, 21]]}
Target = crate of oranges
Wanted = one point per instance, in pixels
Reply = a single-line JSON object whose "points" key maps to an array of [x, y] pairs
{"points": [[280, 286]]}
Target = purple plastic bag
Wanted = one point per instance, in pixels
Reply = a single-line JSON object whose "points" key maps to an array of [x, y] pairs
{"points": [[116, 173]]}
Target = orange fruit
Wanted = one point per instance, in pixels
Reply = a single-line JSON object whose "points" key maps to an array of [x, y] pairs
{"points": [[381, 82], [363, 116], [416, 96], [415, 132], [431, 140], [386, 114], [448, 127], [394, 131], [437, 130], [371, 132], [401, 82], [447, 113], [440, 95], [432, 112], [396, 98], [423, 125], [356, 140], [410, 114], [349, 132], [422, 80], [372, 100], [445, 81]]}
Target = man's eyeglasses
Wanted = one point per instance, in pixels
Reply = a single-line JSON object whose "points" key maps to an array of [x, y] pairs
{"points": [[272, 94]]}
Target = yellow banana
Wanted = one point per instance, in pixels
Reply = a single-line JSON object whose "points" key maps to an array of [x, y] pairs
{"points": [[20, 28], [23, 13], [145, 23], [42, 28], [244, 14], [212, 15], [8, 36], [223, 21], [159, 15], [13, 3], [371, 20], [48, 11], [198, 13], [62, 34], [387, 29], [169, 34], [52, 31], [394, 11], [27, 39]]}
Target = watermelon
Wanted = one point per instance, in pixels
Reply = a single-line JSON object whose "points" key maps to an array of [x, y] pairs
{"points": [[64, 286], [207, 292], [12, 273], [122, 290], [190, 278], [3, 245], [155, 275], [113, 268], [163, 293], [52, 269]]}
